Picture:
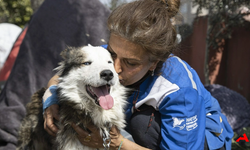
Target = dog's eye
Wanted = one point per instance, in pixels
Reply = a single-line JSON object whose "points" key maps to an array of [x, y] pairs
{"points": [[110, 62], [87, 63]]}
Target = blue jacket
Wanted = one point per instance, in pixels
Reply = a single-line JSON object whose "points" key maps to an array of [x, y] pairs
{"points": [[188, 111]]}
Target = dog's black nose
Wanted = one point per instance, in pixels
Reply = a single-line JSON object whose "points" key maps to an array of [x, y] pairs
{"points": [[107, 75]]}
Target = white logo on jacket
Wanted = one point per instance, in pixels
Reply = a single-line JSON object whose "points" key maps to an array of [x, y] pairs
{"points": [[177, 123], [191, 123]]}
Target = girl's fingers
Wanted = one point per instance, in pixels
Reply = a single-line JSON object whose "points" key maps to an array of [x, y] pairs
{"points": [[79, 131], [89, 138], [55, 111], [49, 115], [92, 128], [48, 129], [50, 124]]}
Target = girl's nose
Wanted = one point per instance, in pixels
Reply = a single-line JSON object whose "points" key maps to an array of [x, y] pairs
{"points": [[118, 67]]}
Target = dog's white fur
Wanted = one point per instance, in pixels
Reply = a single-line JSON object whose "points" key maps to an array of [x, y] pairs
{"points": [[86, 65], [74, 87]]}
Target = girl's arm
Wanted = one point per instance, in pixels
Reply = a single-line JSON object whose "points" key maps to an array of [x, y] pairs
{"points": [[51, 112], [53, 81]]}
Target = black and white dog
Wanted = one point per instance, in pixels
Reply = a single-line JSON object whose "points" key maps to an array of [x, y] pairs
{"points": [[88, 92]]}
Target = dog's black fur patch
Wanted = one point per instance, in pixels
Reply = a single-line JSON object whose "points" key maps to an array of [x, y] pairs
{"points": [[32, 126]]}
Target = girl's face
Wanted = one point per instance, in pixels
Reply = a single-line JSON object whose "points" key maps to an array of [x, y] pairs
{"points": [[130, 60]]}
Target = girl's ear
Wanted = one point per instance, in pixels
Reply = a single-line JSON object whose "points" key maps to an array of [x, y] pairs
{"points": [[153, 66]]}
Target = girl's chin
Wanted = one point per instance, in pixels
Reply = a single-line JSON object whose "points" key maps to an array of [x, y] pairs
{"points": [[122, 82], [126, 84]]}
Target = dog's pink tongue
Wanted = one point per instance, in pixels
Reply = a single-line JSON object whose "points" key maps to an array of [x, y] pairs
{"points": [[105, 100]]}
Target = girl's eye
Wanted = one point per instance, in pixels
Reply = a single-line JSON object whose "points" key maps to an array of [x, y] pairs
{"points": [[131, 64], [87, 63]]}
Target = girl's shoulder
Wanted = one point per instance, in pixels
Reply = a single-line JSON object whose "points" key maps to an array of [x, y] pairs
{"points": [[179, 72]]}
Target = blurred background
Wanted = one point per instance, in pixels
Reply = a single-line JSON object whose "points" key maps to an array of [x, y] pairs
{"points": [[214, 38]]}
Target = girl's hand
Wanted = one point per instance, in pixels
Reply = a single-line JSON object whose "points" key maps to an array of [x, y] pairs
{"points": [[49, 115], [116, 138], [92, 139]]}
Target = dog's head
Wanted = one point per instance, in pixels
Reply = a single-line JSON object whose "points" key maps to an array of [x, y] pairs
{"points": [[88, 73]]}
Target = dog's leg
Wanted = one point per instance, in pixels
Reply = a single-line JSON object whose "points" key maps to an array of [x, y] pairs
{"points": [[31, 135]]}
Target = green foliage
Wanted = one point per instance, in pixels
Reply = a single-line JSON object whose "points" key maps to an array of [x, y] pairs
{"points": [[224, 16], [220, 6], [241, 145], [15, 11]]}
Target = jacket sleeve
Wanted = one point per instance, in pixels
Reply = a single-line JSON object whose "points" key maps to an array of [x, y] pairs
{"points": [[183, 120], [50, 97]]}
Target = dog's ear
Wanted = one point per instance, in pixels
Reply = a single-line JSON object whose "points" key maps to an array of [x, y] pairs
{"points": [[70, 53], [65, 53], [72, 56]]}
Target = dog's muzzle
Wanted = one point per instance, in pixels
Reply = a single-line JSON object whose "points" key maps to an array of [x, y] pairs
{"points": [[101, 95], [107, 75]]}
